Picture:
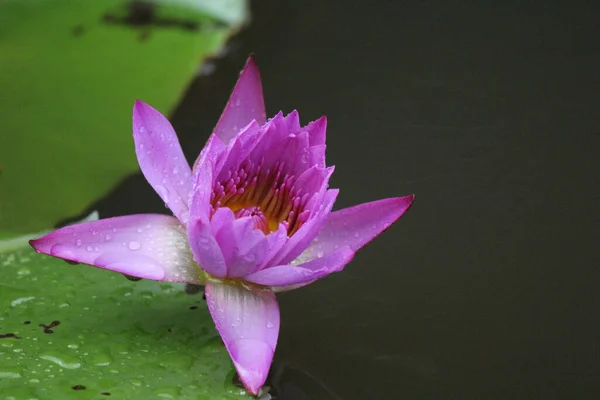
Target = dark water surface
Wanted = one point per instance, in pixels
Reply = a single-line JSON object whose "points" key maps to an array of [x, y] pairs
{"points": [[488, 287]]}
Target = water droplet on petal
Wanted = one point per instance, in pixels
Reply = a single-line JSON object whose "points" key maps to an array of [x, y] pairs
{"points": [[89, 248], [162, 192], [270, 325], [78, 242], [134, 245]]}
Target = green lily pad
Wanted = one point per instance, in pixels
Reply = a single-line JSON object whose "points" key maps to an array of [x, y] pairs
{"points": [[70, 71], [78, 332]]}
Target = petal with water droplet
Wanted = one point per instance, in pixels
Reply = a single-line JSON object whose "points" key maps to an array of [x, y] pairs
{"points": [[356, 226], [248, 325], [245, 104], [290, 275], [307, 232], [206, 249], [145, 246], [244, 247], [161, 159]]}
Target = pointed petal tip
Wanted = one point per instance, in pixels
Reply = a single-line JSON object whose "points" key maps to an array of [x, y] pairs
{"points": [[247, 318], [250, 387], [398, 206], [406, 201], [125, 245], [251, 70], [161, 158], [366, 221], [321, 120], [317, 130], [42, 245], [254, 377], [35, 244], [139, 105], [250, 63], [142, 111], [245, 104]]}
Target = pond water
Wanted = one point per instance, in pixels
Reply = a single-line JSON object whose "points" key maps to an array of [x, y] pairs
{"points": [[488, 287]]}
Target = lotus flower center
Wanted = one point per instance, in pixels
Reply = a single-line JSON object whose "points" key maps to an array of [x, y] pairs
{"points": [[266, 194]]}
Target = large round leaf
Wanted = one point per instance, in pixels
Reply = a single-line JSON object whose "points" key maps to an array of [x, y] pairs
{"points": [[70, 71], [78, 332]]}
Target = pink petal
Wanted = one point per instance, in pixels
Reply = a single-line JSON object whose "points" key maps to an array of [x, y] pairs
{"points": [[273, 133], [243, 246], [161, 160], [204, 246], [296, 153], [247, 319], [313, 179], [213, 150], [245, 104], [316, 131], [292, 121], [300, 240], [221, 217], [206, 249], [239, 148], [288, 275], [277, 240], [317, 155], [293, 149], [356, 226], [147, 246], [202, 189]]}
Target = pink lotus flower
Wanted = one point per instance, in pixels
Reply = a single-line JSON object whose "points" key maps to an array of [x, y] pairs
{"points": [[253, 217]]}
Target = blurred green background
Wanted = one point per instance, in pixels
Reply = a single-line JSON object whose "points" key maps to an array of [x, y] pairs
{"points": [[70, 71]]}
